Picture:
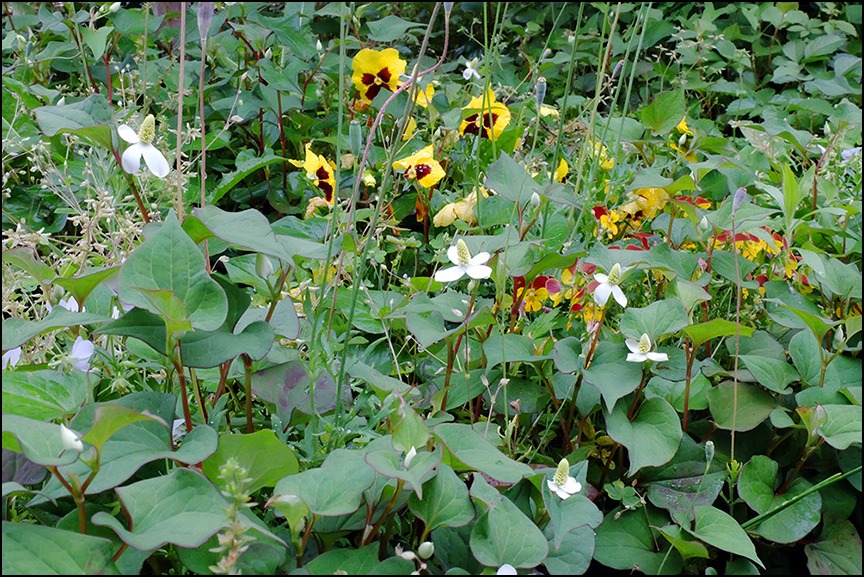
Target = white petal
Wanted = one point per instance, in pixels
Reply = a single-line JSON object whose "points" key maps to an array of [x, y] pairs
{"points": [[619, 295], [572, 486], [478, 271], [480, 258], [633, 345], [409, 456], [562, 493], [127, 134], [601, 293], [449, 274], [11, 357], [70, 439], [131, 159], [155, 161], [657, 356], [601, 278], [636, 358], [552, 486], [82, 350], [506, 569], [453, 254], [467, 74]]}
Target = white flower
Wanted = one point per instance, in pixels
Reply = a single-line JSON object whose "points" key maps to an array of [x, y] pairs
{"points": [[473, 266], [562, 484], [70, 304], [142, 145], [848, 154], [506, 569], [82, 350], [11, 357], [640, 351], [409, 456], [71, 439], [609, 286], [471, 70]]}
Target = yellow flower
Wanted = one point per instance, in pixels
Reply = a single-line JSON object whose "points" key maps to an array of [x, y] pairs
{"points": [[683, 128], [689, 155], [561, 171], [646, 203], [461, 209], [320, 171], [546, 110], [607, 222], [533, 299], [750, 249], [485, 117], [409, 129], [602, 155], [422, 167], [423, 98], [377, 69], [790, 264]]}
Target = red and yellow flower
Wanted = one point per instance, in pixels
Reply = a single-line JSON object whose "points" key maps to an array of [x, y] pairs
{"points": [[422, 167], [377, 69], [485, 116], [320, 171]]}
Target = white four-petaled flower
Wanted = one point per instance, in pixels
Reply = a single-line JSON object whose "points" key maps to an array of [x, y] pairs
{"points": [[608, 285], [640, 351], [562, 484], [471, 70], [142, 146], [473, 266]]}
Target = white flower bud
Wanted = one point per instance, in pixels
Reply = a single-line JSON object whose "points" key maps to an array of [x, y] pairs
{"points": [[71, 439], [409, 456], [426, 549], [263, 266]]}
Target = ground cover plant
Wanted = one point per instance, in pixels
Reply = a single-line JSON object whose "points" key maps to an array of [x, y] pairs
{"points": [[431, 288]]}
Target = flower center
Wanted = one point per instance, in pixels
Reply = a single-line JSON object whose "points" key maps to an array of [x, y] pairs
{"points": [[147, 130], [644, 344], [462, 253], [561, 473], [615, 274]]}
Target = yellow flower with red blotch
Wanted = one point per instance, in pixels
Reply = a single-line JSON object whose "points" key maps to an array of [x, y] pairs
{"points": [[421, 166], [561, 171], [485, 116], [320, 171], [377, 69]]}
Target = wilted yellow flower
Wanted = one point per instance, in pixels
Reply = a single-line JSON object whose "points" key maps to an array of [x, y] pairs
{"points": [[546, 110], [461, 209], [645, 203], [602, 154], [423, 97]]}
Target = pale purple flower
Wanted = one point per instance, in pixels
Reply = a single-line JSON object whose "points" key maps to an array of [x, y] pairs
{"points": [[82, 350]]}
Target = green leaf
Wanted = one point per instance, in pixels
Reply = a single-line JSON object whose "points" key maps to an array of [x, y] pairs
{"points": [[182, 508], [611, 373], [509, 179], [96, 39], [91, 119], [408, 428], [445, 502], [389, 463], [82, 285], [30, 549], [26, 259], [247, 229], [837, 551], [674, 392], [245, 166], [573, 555], [43, 395], [842, 428], [625, 540], [510, 348], [474, 451], [720, 530], [567, 353], [170, 261], [287, 386], [652, 438], [688, 548], [18, 331], [756, 487], [664, 112], [212, 348], [265, 458], [336, 488], [754, 406], [383, 384], [391, 28], [704, 332], [503, 534], [772, 374], [39, 441], [109, 419], [658, 319]]}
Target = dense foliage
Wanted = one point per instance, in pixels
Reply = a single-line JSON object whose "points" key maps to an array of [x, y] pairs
{"points": [[436, 288]]}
